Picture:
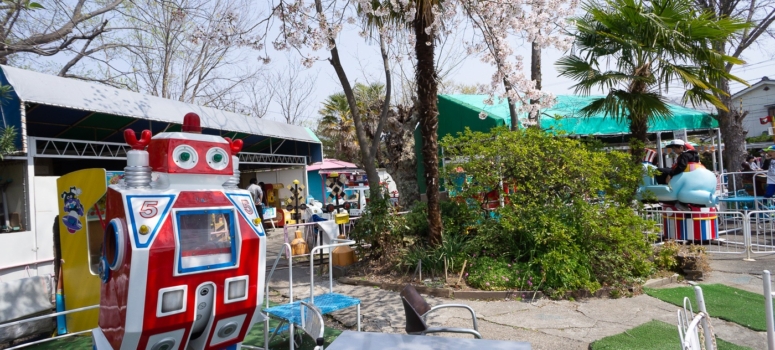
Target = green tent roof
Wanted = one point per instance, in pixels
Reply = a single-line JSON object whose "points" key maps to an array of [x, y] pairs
{"points": [[458, 111]]}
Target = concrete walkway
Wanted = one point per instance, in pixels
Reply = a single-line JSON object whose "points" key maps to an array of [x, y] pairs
{"points": [[546, 324]]}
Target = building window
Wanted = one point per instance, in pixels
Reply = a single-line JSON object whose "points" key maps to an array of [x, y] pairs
{"points": [[771, 111]]}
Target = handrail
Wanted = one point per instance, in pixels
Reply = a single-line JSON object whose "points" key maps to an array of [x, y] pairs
{"points": [[49, 339], [48, 316], [330, 268], [8, 267], [290, 273]]}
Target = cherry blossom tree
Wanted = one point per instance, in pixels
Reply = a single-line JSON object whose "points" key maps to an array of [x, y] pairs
{"points": [[312, 26], [501, 22], [29, 27]]}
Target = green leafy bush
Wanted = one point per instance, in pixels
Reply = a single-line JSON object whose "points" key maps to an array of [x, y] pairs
{"points": [[570, 222], [452, 249], [380, 228], [489, 273]]}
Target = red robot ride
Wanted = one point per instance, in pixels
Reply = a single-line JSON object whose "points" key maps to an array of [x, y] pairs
{"points": [[183, 258]]}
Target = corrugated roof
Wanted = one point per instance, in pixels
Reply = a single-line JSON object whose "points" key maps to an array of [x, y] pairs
{"points": [[44, 89]]}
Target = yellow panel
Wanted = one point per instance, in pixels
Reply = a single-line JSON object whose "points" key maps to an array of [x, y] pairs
{"points": [[78, 191]]}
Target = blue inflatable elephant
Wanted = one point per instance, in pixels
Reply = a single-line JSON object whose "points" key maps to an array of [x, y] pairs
{"points": [[695, 186]]}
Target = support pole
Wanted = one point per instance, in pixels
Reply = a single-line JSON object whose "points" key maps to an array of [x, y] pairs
{"points": [[659, 150], [705, 324], [766, 281], [720, 152]]}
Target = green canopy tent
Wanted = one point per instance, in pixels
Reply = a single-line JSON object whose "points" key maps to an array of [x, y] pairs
{"points": [[456, 112]]}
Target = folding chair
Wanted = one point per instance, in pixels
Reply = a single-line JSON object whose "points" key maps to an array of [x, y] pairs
{"points": [[417, 309], [689, 324], [312, 323]]}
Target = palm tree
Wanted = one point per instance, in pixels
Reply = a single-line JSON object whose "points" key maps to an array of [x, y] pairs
{"points": [[337, 127], [427, 89], [634, 50], [427, 109]]}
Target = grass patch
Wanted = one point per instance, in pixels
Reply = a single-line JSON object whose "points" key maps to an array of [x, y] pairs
{"points": [[651, 335], [727, 303]]}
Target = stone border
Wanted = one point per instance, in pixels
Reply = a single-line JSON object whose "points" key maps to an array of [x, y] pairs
{"points": [[447, 292], [659, 282], [499, 295]]}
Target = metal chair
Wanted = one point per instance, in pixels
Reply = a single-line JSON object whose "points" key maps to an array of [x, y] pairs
{"points": [[690, 325], [417, 309], [312, 323]]}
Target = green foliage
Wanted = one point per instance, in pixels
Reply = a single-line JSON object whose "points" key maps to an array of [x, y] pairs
{"points": [[489, 273], [452, 250], [378, 227], [337, 126], [570, 221], [761, 138], [7, 141], [634, 50], [666, 257]]}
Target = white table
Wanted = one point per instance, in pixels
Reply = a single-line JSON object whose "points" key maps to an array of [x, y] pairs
{"points": [[350, 340]]}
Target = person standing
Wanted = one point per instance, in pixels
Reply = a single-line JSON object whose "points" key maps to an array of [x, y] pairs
{"points": [[769, 155], [258, 197]]}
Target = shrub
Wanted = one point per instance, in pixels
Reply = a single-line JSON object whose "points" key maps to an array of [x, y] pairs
{"points": [[452, 248], [570, 221], [489, 273], [666, 256], [380, 228]]}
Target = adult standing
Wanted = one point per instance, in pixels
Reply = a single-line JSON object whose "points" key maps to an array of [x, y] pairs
{"points": [[258, 197], [770, 154]]}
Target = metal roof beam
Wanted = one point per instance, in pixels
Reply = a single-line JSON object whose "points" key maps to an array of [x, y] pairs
{"points": [[75, 124]]}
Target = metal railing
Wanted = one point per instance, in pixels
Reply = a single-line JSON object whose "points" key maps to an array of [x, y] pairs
{"points": [[744, 220], [43, 317]]}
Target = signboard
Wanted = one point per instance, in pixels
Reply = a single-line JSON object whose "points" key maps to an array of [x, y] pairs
{"points": [[680, 135], [270, 213], [78, 191]]}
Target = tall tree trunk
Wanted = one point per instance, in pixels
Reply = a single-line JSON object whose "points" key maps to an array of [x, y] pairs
{"points": [[428, 114], [512, 106], [535, 75], [639, 133], [367, 157], [639, 126], [733, 135], [401, 162], [732, 132]]}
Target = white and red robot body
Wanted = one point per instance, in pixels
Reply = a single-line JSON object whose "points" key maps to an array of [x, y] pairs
{"points": [[183, 263]]}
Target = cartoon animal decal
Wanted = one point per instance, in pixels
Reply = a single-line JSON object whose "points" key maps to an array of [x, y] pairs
{"points": [[73, 210]]}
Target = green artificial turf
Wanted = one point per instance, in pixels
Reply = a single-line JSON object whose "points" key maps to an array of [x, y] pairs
{"points": [[727, 303], [651, 336]]}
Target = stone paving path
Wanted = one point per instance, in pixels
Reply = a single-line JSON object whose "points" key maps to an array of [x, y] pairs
{"points": [[546, 324]]}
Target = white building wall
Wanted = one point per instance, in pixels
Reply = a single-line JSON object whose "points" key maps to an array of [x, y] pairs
{"points": [[755, 102], [285, 177]]}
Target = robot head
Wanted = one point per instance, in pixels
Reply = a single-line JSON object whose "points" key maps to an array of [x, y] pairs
{"points": [[190, 151]]}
